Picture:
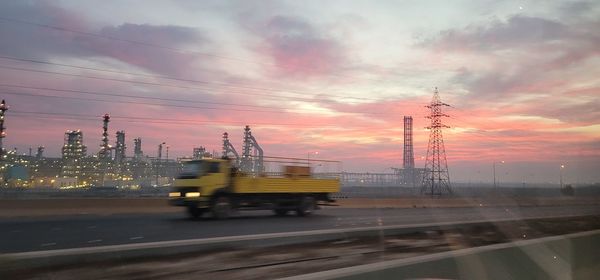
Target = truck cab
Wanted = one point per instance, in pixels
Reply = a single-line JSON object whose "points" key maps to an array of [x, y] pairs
{"points": [[198, 181]]}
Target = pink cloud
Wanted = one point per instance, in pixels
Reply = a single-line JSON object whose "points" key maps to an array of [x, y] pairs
{"points": [[299, 49]]}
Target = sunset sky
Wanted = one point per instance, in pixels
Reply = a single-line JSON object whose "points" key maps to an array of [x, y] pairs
{"points": [[333, 77]]}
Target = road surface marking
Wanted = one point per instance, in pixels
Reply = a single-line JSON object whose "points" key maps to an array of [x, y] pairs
{"points": [[92, 227], [48, 244], [136, 237], [95, 241]]}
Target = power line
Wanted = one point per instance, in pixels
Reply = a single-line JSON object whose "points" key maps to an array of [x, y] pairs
{"points": [[177, 79], [163, 85], [72, 116], [146, 44], [136, 102], [91, 34], [134, 96], [279, 109], [141, 82]]}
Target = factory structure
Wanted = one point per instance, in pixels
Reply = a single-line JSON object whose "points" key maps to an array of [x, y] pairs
{"points": [[111, 167]]}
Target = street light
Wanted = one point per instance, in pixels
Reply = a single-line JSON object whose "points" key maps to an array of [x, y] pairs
{"points": [[494, 168], [159, 161], [308, 158], [562, 166]]}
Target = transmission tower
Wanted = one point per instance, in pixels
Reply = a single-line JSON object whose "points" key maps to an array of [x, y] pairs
{"points": [[436, 179]]}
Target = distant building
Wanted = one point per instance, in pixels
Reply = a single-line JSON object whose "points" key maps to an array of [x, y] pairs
{"points": [[120, 147], [73, 152]]}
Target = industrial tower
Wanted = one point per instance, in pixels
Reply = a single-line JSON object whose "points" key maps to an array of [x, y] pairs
{"points": [[229, 149], [252, 154], [120, 147], [436, 179], [73, 152], [40, 152], [408, 160], [137, 148], [198, 153], [3, 109], [408, 156], [105, 147]]}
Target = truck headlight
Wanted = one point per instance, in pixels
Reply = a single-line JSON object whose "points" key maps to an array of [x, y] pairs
{"points": [[192, 194], [174, 194]]}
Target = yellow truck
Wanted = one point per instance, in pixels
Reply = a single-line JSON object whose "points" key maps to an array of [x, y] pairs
{"points": [[217, 187]]}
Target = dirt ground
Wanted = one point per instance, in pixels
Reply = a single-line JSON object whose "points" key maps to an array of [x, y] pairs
{"points": [[109, 206]]}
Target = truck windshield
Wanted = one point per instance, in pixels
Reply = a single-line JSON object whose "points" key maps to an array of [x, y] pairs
{"points": [[192, 170]]}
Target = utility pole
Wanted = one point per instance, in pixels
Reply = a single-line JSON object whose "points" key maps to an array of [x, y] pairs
{"points": [[436, 179], [308, 158], [159, 160], [562, 166], [168, 169], [494, 171]]}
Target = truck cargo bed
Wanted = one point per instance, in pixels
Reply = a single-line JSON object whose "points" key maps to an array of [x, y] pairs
{"points": [[285, 185]]}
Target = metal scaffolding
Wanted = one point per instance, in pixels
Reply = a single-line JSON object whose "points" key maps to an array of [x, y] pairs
{"points": [[252, 155]]}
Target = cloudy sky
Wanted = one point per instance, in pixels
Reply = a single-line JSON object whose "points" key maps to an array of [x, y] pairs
{"points": [[334, 77]]}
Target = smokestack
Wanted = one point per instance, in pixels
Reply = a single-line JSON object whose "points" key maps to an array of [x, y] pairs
{"points": [[105, 147], [408, 155], [137, 148]]}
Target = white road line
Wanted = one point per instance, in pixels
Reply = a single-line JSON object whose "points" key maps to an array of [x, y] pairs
{"points": [[136, 237], [95, 241], [48, 244], [55, 229], [15, 231], [92, 227]]}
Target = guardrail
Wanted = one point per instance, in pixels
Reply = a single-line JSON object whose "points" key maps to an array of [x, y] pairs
{"points": [[47, 258], [570, 256]]}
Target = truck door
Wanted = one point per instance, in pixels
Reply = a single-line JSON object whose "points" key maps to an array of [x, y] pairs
{"points": [[214, 178]]}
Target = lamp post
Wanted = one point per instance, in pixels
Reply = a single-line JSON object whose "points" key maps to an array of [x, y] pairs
{"points": [[494, 169], [168, 172], [562, 166], [159, 160], [308, 158]]}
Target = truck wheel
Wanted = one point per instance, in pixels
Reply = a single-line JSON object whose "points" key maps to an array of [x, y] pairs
{"points": [[221, 208], [306, 207], [280, 212], [195, 212]]}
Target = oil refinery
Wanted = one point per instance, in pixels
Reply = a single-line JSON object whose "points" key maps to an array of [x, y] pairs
{"points": [[111, 167]]}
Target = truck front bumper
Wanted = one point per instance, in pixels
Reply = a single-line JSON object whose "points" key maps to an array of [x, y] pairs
{"points": [[186, 202]]}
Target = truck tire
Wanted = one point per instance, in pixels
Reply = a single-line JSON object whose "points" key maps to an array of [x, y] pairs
{"points": [[280, 211], [306, 207], [221, 207], [195, 212]]}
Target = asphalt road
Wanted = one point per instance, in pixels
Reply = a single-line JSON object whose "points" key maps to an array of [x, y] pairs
{"points": [[49, 233]]}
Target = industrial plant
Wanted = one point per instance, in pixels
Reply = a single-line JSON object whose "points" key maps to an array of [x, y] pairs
{"points": [[110, 167]]}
